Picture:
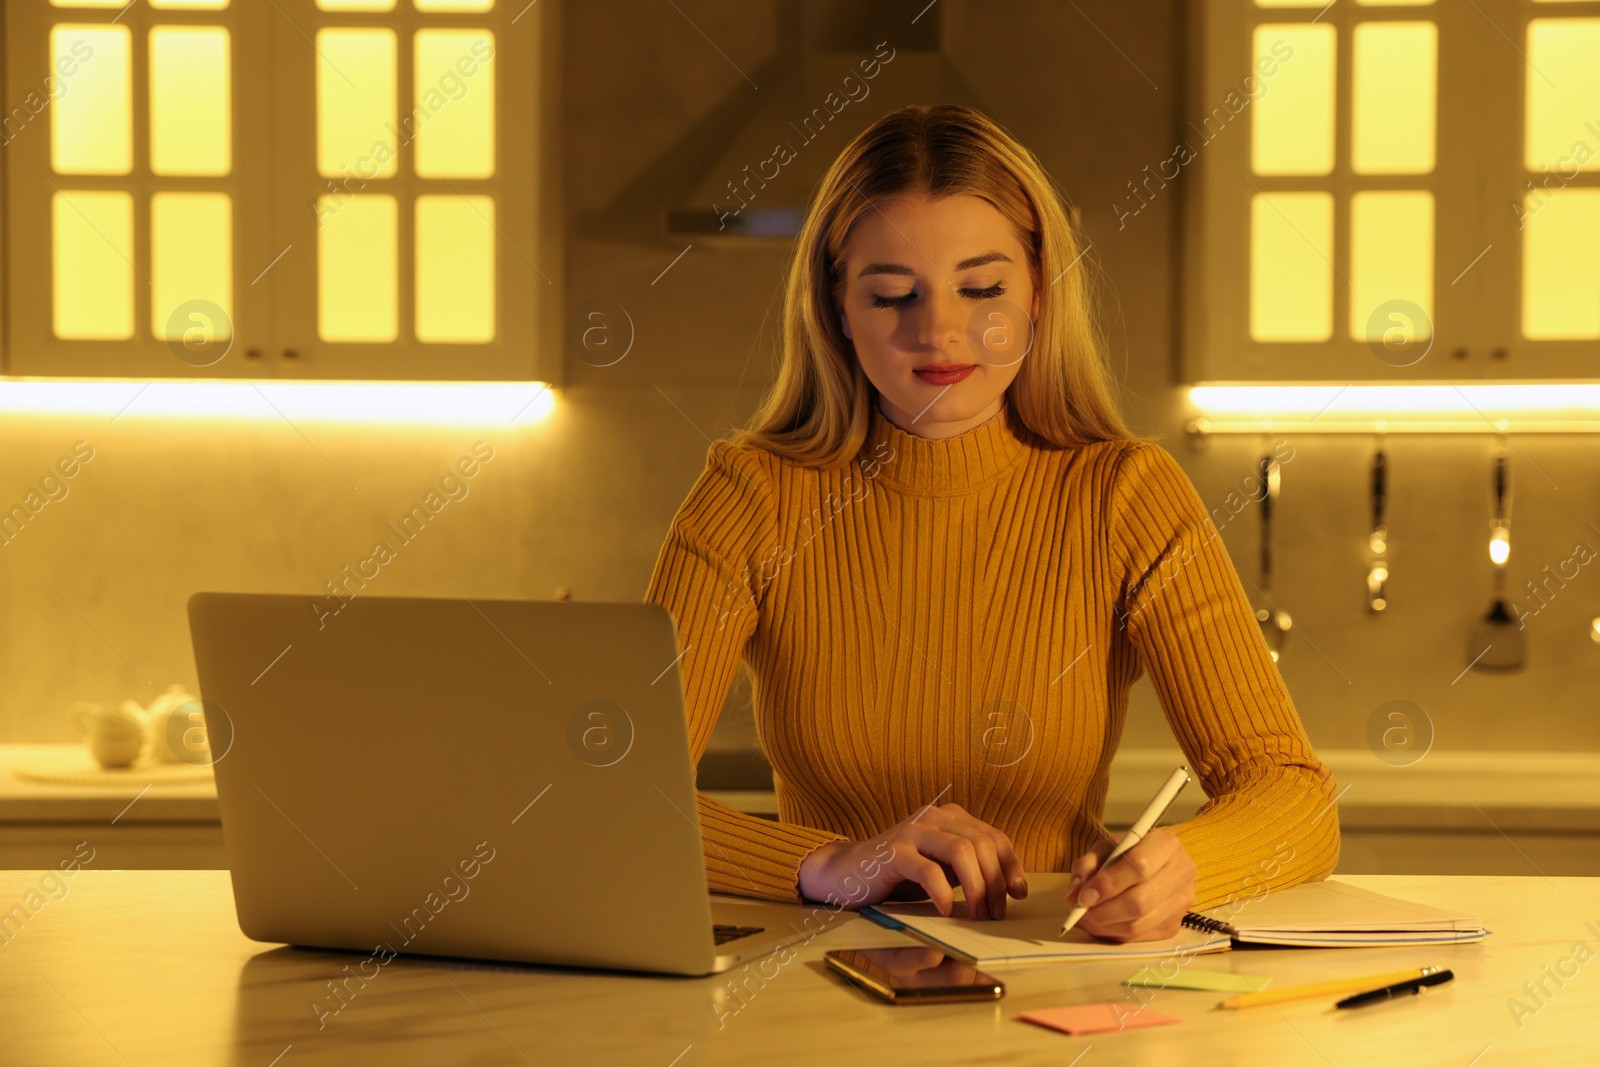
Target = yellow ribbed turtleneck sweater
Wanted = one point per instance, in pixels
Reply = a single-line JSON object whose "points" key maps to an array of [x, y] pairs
{"points": [[959, 620]]}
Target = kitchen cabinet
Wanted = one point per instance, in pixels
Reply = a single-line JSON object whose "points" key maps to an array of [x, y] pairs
{"points": [[1396, 192], [296, 189]]}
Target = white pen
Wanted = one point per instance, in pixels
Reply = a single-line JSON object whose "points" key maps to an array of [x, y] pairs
{"points": [[1152, 814]]}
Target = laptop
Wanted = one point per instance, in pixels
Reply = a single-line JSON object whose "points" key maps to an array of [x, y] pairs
{"points": [[494, 779]]}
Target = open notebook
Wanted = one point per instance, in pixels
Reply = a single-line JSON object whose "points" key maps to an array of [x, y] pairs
{"points": [[1030, 932], [1317, 914], [1335, 913]]}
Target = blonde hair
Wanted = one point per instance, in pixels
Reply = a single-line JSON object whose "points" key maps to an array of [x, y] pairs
{"points": [[818, 410]]}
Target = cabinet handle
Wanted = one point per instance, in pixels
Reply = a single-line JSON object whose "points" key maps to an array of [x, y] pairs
{"points": [[1460, 353], [1498, 353], [252, 353], [289, 353]]}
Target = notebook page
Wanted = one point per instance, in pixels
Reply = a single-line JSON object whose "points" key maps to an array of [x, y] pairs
{"points": [[1334, 907], [1030, 933]]}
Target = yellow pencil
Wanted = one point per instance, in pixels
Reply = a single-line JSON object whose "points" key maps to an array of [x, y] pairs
{"points": [[1325, 989]]}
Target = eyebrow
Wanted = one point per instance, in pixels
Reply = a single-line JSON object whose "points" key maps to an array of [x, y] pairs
{"points": [[965, 264]]}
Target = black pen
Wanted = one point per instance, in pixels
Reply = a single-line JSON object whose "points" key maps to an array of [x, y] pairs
{"points": [[1411, 986]]}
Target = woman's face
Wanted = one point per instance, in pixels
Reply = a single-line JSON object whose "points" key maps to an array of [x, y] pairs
{"points": [[936, 285]]}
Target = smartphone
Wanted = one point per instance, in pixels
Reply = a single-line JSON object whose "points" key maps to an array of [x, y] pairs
{"points": [[914, 974]]}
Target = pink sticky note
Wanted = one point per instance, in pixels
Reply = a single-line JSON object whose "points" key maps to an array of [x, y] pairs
{"points": [[1096, 1018]]}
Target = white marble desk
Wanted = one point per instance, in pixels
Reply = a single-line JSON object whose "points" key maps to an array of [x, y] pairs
{"points": [[149, 968]]}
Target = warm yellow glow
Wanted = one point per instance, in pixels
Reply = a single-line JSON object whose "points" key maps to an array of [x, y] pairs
{"points": [[1396, 408], [1393, 3], [1296, 400], [1391, 259], [92, 264], [1393, 88], [1561, 265], [1291, 267], [1290, 3], [1499, 545], [355, 5], [191, 125], [356, 269], [188, 5], [1291, 127], [1563, 95], [89, 3], [455, 5], [397, 403], [453, 116], [91, 126], [191, 260], [356, 103], [455, 274]]}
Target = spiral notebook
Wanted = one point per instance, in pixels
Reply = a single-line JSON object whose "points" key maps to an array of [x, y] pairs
{"points": [[1314, 915], [1333, 913]]}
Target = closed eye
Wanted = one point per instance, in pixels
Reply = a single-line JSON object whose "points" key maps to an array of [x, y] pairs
{"points": [[993, 291]]}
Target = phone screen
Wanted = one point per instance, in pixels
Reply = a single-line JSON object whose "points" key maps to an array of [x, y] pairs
{"points": [[915, 972]]}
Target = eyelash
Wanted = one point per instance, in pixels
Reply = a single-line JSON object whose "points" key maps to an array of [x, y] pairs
{"points": [[976, 294]]}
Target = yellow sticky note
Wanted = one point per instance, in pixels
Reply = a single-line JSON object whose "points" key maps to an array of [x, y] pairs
{"points": [[1192, 978]]}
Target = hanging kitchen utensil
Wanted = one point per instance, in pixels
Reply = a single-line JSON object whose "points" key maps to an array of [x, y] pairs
{"points": [[1378, 540], [1498, 642], [1275, 624]]}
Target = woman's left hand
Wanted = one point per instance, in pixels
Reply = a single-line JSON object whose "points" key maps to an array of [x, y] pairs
{"points": [[1141, 897]]}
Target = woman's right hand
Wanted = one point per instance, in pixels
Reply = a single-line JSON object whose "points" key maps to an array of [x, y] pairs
{"points": [[933, 848]]}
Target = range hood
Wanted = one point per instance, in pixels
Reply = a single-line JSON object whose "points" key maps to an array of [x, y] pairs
{"points": [[853, 63]]}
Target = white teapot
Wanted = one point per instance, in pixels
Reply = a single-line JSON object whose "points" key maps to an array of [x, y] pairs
{"points": [[116, 735], [158, 724]]}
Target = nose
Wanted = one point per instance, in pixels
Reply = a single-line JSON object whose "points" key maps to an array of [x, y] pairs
{"points": [[942, 324]]}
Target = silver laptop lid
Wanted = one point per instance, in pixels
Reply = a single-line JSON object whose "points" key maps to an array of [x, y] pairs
{"points": [[488, 778]]}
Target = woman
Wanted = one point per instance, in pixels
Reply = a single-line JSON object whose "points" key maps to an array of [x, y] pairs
{"points": [[946, 559]]}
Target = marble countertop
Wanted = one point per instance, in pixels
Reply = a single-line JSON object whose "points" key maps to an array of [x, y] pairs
{"points": [[82, 985], [23, 800], [1464, 791]]}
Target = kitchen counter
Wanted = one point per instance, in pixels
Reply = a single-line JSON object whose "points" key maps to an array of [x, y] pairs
{"points": [[130, 824], [1518, 813], [83, 986]]}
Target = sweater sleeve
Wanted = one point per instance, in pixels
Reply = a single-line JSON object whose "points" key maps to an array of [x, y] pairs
{"points": [[719, 554], [1271, 819]]}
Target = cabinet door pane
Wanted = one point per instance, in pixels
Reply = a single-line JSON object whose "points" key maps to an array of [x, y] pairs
{"points": [[1291, 267], [91, 127], [191, 127], [357, 246], [1292, 126], [455, 268], [1563, 94], [454, 107], [356, 103], [1391, 264], [1393, 93], [1561, 265], [92, 235], [191, 267]]}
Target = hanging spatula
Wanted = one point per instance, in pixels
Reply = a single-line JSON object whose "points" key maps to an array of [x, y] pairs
{"points": [[1498, 642], [1378, 540], [1275, 624]]}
